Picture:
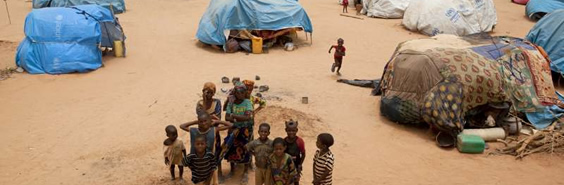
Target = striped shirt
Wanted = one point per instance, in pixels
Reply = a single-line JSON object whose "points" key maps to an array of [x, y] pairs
{"points": [[202, 168], [322, 164]]}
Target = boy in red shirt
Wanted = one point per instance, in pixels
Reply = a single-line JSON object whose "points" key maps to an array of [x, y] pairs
{"points": [[339, 54], [295, 147]]}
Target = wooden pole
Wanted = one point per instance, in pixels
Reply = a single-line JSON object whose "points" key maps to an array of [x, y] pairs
{"points": [[352, 16], [8, 12]]}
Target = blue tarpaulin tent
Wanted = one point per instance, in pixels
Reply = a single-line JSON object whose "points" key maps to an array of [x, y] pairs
{"points": [[536, 9], [118, 6], [225, 15], [63, 40], [549, 34]]}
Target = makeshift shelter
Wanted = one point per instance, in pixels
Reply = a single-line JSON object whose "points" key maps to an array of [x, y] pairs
{"points": [[452, 82], [66, 40], [222, 16], [390, 9], [458, 17], [116, 6], [536, 9], [549, 34]]}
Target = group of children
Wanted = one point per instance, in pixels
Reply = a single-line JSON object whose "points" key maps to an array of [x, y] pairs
{"points": [[278, 161]]}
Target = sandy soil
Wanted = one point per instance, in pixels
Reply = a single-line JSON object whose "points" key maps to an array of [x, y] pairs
{"points": [[107, 126]]}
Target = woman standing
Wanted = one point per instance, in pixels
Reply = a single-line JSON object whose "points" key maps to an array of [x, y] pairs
{"points": [[240, 113]]}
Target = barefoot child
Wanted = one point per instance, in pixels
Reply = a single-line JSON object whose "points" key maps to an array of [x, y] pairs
{"points": [[345, 5], [323, 160], [202, 163], [339, 54], [209, 129], [281, 164], [295, 147], [174, 151], [261, 148]]}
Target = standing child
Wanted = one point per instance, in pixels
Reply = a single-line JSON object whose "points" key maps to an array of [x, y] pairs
{"points": [[345, 4], [281, 164], [202, 163], [323, 160], [261, 148], [339, 54], [174, 151], [295, 146], [208, 129]]}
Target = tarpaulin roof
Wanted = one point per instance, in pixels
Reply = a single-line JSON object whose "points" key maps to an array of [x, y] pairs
{"points": [[118, 6], [549, 34], [223, 15], [62, 40]]}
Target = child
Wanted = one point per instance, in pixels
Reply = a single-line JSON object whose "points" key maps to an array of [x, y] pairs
{"points": [[323, 160], [209, 129], [174, 151], [295, 146], [339, 54], [345, 4], [261, 148], [202, 163], [281, 164]]}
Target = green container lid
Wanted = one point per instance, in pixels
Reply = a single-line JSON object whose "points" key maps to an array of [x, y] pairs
{"points": [[470, 144]]}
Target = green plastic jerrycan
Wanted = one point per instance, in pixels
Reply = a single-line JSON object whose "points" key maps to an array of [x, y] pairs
{"points": [[470, 144]]}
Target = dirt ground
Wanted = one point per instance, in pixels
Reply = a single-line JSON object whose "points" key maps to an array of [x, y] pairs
{"points": [[107, 126]]}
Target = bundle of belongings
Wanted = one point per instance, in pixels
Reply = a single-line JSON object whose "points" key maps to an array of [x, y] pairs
{"points": [[457, 17], [389, 9], [453, 83], [116, 6], [66, 40], [537, 9], [252, 25]]}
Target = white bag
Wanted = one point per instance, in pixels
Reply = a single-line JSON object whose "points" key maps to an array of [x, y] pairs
{"points": [[391, 9], [458, 17]]}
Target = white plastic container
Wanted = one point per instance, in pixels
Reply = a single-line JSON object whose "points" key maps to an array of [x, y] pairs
{"points": [[488, 134]]}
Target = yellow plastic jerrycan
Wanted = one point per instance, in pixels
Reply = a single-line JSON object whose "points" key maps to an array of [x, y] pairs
{"points": [[257, 45]]}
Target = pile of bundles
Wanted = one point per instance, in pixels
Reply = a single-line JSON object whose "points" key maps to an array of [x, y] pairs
{"points": [[458, 84], [432, 17]]}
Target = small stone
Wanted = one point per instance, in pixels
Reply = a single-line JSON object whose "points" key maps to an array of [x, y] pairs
{"points": [[258, 95], [83, 174], [19, 70], [257, 77], [224, 90], [235, 80], [224, 80], [255, 87], [263, 88]]}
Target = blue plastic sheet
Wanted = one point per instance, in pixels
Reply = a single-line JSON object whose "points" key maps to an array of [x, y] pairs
{"points": [[543, 119], [549, 34], [537, 8], [62, 40], [118, 6], [224, 15]]}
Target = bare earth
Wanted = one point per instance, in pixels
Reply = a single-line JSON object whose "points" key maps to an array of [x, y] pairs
{"points": [[107, 126]]}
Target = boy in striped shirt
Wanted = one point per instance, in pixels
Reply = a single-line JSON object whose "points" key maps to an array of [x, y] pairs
{"points": [[323, 160], [202, 163]]}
